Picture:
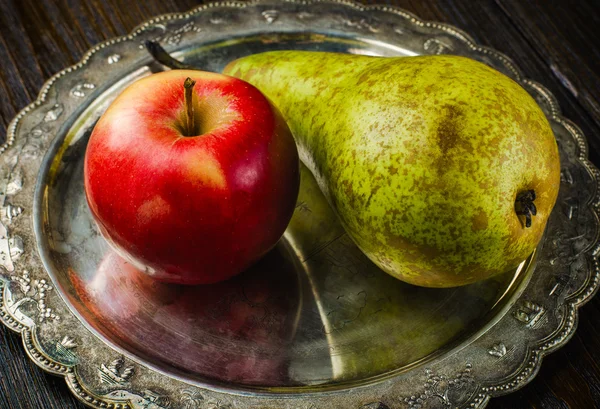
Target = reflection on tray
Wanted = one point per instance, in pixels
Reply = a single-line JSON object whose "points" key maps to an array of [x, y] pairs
{"points": [[235, 330]]}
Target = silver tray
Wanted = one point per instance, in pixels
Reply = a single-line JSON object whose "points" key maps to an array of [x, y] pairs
{"points": [[314, 324]]}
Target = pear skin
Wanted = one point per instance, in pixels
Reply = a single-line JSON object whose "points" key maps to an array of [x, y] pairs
{"points": [[424, 159]]}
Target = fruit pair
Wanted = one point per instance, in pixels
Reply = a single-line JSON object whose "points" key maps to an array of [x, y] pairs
{"points": [[441, 169]]}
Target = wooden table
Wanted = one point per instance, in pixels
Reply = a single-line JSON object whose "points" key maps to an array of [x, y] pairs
{"points": [[553, 42]]}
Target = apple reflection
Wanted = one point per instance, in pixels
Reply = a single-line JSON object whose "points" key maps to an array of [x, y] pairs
{"points": [[235, 331]]}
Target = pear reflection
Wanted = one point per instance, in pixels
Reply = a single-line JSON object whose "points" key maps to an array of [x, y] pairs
{"points": [[372, 322], [233, 331]]}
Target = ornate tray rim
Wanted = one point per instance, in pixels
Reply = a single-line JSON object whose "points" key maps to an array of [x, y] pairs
{"points": [[17, 321]]}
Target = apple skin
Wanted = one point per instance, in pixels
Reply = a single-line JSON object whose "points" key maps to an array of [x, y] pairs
{"points": [[191, 209]]}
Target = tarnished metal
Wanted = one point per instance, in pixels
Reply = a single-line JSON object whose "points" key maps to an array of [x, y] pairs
{"points": [[314, 324]]}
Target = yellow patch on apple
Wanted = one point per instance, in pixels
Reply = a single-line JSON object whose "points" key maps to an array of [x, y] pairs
{"points": [[205, 170], [153, 209]]}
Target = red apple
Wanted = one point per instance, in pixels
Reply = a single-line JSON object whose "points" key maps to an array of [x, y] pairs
{"points": [[191, 188]]}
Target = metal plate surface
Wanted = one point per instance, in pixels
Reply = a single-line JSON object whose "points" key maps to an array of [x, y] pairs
{"points": [[314, 324]]}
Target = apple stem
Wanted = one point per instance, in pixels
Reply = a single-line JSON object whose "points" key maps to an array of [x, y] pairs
{"points": [[160, 55], [189, 107], [524, 205]]}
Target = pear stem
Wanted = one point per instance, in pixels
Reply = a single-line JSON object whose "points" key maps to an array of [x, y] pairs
{"points": [[190, 126], [160, 55], [524, 205]]}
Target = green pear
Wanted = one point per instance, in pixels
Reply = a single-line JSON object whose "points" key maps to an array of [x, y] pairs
{"points": [[441, 169]]}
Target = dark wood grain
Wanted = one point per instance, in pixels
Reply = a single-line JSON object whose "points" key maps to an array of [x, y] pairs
{"points": [[552, 42], [565, 37]]}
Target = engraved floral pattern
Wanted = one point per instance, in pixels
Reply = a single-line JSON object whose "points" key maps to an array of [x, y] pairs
{"points": [[441, 388], [113, 58], [145, 400], [116, 373], [34, 292], [193, 399], [65, 350], [174, 37], [498, 350], [11, 247], [437, 46], [81, 90], [270, 16]]}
